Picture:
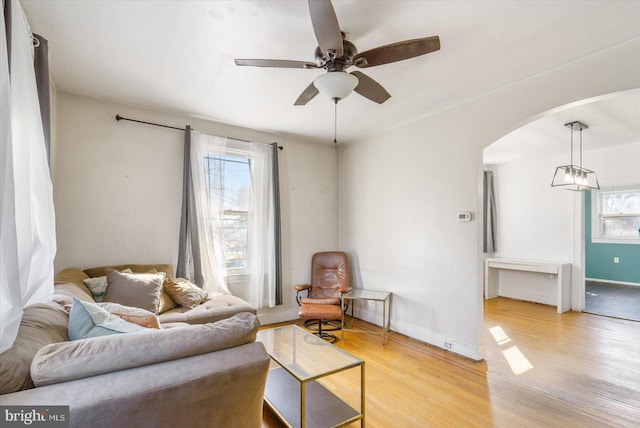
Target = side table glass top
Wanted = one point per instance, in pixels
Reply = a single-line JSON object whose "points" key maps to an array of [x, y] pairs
{"points": [[303, 354], [367, 294]]}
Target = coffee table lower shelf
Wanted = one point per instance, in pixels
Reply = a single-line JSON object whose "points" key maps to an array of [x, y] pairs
{"points": [[322, 407]]}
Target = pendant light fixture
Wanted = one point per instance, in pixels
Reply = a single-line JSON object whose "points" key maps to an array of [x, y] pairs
{"points": [[575, 177]]}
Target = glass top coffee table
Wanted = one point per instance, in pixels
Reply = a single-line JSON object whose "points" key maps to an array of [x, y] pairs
{"points": [[292, 390]]}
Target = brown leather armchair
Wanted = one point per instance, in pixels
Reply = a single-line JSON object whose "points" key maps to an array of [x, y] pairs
{"points": [[329, 281]]}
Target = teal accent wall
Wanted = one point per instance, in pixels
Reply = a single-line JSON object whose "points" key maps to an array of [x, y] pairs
{"points": [[599, 257]]}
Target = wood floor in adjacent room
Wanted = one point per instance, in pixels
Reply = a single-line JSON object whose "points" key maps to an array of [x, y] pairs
{"points": [[543, 369]]}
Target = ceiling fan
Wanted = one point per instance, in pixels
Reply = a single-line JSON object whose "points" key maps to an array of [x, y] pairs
{"points": [[336, 55]]}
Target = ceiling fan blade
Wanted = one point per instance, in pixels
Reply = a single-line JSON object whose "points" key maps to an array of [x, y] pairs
{"points": [[397, 52], [280, 63], [307, 95], [369, 88], [325, 25]]}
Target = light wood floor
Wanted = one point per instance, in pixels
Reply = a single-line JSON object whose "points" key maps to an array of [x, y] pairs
{"points": [[543, 369]]}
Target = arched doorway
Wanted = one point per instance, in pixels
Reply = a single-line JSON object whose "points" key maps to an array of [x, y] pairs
{"points": [[540, 222]]}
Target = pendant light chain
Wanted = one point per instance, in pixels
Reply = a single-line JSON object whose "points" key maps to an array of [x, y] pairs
{"points": [[580, 147], [571, 130]]}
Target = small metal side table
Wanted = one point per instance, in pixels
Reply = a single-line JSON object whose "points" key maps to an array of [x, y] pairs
{"points": [[378, 296]]}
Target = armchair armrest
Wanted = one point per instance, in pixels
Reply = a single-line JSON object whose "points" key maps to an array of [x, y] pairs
{"points": [[299, 288], [345, 290]]}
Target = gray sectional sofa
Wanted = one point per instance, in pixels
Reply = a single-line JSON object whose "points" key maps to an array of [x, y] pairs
{"points": [[202, 369]]}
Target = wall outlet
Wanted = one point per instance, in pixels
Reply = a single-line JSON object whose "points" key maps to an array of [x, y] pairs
{"points": [[616, 259], [372, 305], [448, 345]]}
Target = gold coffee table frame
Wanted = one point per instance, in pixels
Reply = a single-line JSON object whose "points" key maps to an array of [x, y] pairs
{"points": [[292, 389]]}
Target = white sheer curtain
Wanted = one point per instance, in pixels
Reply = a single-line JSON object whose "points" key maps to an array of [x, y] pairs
{"points": [[262, 248], [27, 223], [209, 210], [261, 252]]}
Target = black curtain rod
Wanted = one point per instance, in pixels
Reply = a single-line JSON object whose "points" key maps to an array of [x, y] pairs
{"points": [[119, 118]]}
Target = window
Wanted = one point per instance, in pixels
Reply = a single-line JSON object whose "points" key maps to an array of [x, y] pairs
{"points": [[615, 216], [228, 179]]}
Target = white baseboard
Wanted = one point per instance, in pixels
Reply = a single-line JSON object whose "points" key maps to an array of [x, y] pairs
{"points": [[276, 317], [608, 281]]}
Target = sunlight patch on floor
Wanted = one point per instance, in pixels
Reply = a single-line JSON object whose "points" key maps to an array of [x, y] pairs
{"points": [[499, 335], [518, 363]]}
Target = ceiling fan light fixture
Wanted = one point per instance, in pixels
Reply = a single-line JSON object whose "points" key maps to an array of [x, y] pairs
{"points": [[336, 85]]}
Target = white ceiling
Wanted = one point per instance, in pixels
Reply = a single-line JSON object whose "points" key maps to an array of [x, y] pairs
{"points": [[612, 121], [178, 56]]}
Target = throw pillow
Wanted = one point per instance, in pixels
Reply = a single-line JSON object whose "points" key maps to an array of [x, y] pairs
{"points": [[98, 285], [166, 302], [130, 314], [141, 290], [184, 292], [89, 320]]}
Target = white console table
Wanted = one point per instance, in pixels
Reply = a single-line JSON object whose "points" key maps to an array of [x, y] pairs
{"points": [[562, 270]]}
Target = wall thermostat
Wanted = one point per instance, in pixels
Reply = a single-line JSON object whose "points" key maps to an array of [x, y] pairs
{"points": [[464, 216]]}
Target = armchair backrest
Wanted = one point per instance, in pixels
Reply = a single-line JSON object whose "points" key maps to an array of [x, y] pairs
{"points": [[329, 273]]}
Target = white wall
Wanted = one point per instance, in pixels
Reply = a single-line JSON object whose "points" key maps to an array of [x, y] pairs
{"points": [[118, 190], [536, 221], [400, 192], [617, 166]]}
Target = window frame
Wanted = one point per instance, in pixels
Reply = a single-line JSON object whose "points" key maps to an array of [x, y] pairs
{"points": [[245, 155], [597, 217]]}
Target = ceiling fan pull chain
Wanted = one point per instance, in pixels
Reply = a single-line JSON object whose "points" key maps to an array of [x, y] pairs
{"points": [[335, 122]]}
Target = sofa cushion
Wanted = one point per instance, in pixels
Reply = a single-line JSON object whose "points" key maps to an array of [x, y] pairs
{"points": [[135, 315], [63, 362], [213, 309], [89, 320], [139, 290], [68, 284], [70, 275], [184, 293], [41, 325], [64, 293], [101, 270]]}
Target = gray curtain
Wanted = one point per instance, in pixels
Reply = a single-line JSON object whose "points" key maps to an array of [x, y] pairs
{"points": [[489, 207], [6, 5], [277, 224], [189, 256], [41, 65]]}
